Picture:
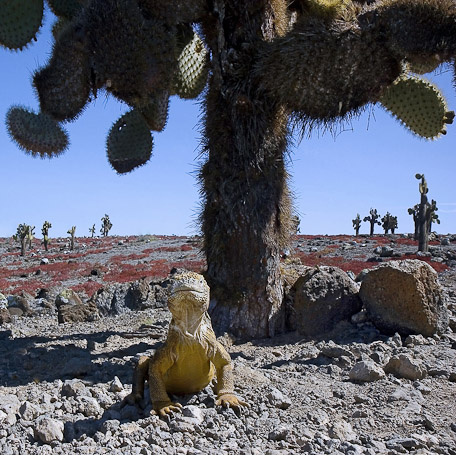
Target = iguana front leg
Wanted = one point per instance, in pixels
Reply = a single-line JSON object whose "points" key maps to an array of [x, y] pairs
{"points": [[225, 380], [160, 399], [140, 375]]}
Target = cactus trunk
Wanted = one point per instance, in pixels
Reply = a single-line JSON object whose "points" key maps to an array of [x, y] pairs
{"points": [[247, 206], [23, 245], [423, 225]]}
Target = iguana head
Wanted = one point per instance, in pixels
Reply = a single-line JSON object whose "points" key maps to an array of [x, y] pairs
{"points": [[188, 300]]}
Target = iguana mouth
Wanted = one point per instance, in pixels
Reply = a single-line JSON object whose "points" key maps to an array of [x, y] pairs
{"points": [[184, 288]]}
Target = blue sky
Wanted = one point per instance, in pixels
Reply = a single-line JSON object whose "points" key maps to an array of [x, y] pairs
{"points": [[371, 162]]}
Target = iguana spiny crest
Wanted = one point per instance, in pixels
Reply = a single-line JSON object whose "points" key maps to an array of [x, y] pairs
{"points": [[191, 356]]}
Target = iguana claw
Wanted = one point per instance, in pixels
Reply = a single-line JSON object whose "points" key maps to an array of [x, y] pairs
{"points": [[165, 409], [229, 400]]}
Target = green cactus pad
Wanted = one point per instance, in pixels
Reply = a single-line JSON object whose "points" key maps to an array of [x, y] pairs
{"points": [[66, 8], [419, 105], [156, 112], [37, 134], [192, 70], [129, 143], [19, 22], [63, 85]]}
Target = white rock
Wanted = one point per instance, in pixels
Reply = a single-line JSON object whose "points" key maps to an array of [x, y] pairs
{"points": [[342, 430], [403, 366], [89, 406], [29, 411], [366, 371], [116, 385], [278, 399], [48, 430]]}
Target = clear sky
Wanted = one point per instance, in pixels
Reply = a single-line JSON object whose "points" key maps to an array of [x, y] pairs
{"points": [[370, 163]]}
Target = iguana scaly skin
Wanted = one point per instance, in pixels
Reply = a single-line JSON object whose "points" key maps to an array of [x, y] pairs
{"points": [[191, 356]]}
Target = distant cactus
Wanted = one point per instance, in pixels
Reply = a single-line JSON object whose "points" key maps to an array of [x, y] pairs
{"points": [[372, 219], [389, 222], [92, 230], [22, 236], [414, 212], [45, 231], [424, 215], [105, 226], [393, 224], [434, 216], [357, 224], [30, 236], [72, 232]]}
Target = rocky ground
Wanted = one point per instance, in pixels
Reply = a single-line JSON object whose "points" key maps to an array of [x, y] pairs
{"points": [[62, 384]]}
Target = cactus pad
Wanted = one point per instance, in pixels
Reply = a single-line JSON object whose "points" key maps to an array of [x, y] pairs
{"points": [[19, 22], [156, 112], [129, 143], [63, 85], [419, 105], [132, 63], [193, 67], [66, 8], [423, 64], [37, 134]]}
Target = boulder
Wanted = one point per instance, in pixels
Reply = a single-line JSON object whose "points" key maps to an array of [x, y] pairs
{"points": [[80, 312], [403, 366], [67, 297], [405, 297], [323, 297]]}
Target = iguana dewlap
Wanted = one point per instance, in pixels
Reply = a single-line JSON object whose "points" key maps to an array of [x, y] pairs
{"points": [[191, 357]]}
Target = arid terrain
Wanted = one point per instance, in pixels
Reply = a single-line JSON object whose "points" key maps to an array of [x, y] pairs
{"points": [[62, 383]]}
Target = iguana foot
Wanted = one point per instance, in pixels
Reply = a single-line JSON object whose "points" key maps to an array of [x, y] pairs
{"points": [[133, 399], [166, 408], [229, 400]]}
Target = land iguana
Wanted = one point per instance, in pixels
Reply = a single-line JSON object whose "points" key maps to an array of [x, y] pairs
{"points": [[191, 356]]}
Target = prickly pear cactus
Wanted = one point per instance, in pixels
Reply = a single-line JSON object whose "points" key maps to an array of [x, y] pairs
{"points": [[134, 63], [37, 134], [423, 65], [66, 8], [419, 105], [193, 64], [19, 22], [63, 85], [156, 112], [129, 143]]}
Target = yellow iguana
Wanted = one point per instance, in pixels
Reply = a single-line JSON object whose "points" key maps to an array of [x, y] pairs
{"points": [[191, 356]]}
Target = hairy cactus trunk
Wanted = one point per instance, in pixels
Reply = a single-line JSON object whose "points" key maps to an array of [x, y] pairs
{"points": [[246, 217]]}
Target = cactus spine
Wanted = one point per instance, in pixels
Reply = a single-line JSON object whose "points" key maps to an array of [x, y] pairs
{"points": [[106, 225], [45, 231], [372, 219], [357, 224], [72, 231]]}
